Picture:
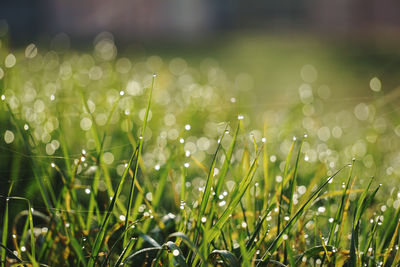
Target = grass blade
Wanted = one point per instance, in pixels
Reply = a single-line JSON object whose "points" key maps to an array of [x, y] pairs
{"points": [[237, 195], [124, 252], [100, 235], [276, 243], [32, 236], [189, 243], [227, 257], [141, 138], [5, 225]]}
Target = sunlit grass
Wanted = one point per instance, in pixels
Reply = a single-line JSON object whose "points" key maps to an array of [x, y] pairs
{"points": [[121, 166]]}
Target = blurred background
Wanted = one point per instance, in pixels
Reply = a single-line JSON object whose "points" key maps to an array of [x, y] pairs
{"points": [[346, 42], [188, 20]]}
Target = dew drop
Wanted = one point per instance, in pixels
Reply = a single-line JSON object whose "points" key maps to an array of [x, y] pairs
{"points": [[175, 252]]}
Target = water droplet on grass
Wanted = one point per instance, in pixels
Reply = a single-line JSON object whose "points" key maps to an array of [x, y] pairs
{"points": [[175, 252]]}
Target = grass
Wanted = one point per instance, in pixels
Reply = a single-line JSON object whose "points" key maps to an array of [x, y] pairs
{"points": [[120, 166]]}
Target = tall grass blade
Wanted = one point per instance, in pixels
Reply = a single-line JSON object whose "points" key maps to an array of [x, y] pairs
{"points": [[292, 185], [362, 204], [278, 240], [32, 234], [124, 252], [100, 235], [285, 173], [237, 195], [135, 172], [5, 227]]}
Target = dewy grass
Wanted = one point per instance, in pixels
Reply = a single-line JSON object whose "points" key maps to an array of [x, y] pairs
{"points": [[197, 187]]}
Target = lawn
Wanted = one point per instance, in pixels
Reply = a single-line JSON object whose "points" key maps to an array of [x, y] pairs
{"points": [[244, 150]]}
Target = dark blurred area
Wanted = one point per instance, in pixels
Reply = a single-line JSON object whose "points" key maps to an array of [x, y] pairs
{"points": [[173, 20]]}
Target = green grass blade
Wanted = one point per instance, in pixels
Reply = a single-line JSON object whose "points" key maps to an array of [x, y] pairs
{"points": [[10, 253], [139, 252], [78, 250], [5, 226], [285, 173], [189, 243], [265, 169], [362, 204], [123, 255], [313, 252], [226, 164], [100, 235], [228, 258], [207, 189], [161, 186], [32, 235], [339, 214], [237, 195], [293, 182], [176, 252], [278, 240], [135, 172], [258, 227]]}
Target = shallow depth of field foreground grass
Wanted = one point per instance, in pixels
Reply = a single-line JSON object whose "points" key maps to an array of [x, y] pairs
{"points": [[107, 161]]}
